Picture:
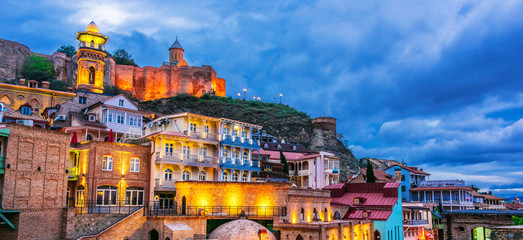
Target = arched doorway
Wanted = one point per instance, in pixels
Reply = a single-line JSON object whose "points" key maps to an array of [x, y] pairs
{"points": [[481, 233], [184, 205], [153, 235], [377, 235], [299, 237]]}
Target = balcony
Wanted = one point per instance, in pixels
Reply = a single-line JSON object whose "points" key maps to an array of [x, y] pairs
{"points": [[202, 135], [238, 164], [2, 165], [192, 160], [72, 174], [164, 184], [239, 141], [418, 222]]}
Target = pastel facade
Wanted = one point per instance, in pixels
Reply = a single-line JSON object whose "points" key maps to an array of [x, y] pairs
{"points": [[314, 171], [409, 177], [454, 195], [417, 221]]}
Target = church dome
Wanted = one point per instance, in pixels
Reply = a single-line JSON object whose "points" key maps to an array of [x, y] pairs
{"points": [[241, 229], [92, 27]]}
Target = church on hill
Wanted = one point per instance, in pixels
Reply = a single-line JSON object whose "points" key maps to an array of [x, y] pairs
{"points": [[147, 83]]}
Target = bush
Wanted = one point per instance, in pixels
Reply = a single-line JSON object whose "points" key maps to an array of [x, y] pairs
{"points": [[111, 90], [38, 68], [58, 85]]}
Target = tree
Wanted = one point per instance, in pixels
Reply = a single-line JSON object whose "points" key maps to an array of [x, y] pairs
{"points": [[111, 90], [38, 68], [68, 50], [370, 173], [517, 220], [58, 85], [283, 160], [440, 206], [122, 57]]}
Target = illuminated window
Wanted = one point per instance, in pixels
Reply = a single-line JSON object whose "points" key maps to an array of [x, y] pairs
{"points": [[186, 176], [225, 177], [134, 196], [235, 177], [107, 163], [168, 174], [106, 195], [244, 177], [356, 201], [169, 149], [202, 175], [135, 165], [25, 110], [80, 196], [91, 75]]}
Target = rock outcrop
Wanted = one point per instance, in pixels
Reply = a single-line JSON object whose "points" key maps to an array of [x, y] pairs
{"points": [[12, 55]]}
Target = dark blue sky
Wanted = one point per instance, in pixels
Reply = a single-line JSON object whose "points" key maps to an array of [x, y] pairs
{"points": [[438, 85]]}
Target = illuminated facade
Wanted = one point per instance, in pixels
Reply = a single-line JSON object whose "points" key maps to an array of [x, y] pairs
{"points": [[91, 59]]}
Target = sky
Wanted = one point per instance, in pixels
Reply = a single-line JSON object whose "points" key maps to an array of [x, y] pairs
{"points": [[436, 84]]}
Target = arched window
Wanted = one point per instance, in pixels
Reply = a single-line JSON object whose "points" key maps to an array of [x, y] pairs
{"points": [[245, 157], [326, 214], [168, 174], [91, 75], [225, 153], [302, 214], [315, 216], [225, 177], [135, 165], [202, 175], [92, 44], [154, 235], [235, 177], [244, 177], [186, 175], [106, 195], [134, 196], [337, 215]]}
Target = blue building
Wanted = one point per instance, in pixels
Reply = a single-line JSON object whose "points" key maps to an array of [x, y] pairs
{"points": [[410, 177], [236, 148]]}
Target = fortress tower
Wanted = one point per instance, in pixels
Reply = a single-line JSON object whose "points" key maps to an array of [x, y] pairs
{"points": [[176, 54], [91, 57]]}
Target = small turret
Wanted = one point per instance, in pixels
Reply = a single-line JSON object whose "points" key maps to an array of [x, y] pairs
{"points": [[176, 53]]}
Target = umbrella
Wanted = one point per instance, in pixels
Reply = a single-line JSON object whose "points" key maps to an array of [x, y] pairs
{"points": [[74, 139], [110, 139]]}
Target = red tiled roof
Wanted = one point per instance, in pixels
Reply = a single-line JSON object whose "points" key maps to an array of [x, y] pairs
{"points": [[392, 185], [372, 199], [377, 215], [513, 206], [334, 186], [410, 169], [290, 156], [379, 174], [167, 133], [441, 188], [16, 114], [492, 197]]}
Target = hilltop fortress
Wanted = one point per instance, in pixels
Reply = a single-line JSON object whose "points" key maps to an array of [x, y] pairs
{"points": [[91, 69]]}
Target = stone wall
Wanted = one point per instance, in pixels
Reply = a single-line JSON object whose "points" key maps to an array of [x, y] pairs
{"points": [[12, 55], [459, 225], [154, 83], [92, 224]]}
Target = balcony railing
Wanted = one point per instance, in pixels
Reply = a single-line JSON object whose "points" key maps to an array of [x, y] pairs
{"points": [[241, 141], [72, 173], [415, 222], [153, 209], [239, 163], [201, 135], [184, 158], [102, 206]]}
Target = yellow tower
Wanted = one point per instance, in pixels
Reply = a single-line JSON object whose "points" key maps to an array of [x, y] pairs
{"points": [[91, 57]]}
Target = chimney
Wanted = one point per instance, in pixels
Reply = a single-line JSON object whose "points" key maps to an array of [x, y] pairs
{"points": [[21, 82], [45, 85]]}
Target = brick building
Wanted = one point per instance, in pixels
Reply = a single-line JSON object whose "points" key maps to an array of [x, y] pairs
{"points": [[33, 182]]}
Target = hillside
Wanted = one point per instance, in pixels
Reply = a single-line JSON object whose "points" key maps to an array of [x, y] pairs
{"points": [[281, 121]]}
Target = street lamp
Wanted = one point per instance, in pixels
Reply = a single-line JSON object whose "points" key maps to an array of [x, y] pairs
{"points": [[239, 95], [253, 97], [244, 91], [281, 96], [259, 98]]}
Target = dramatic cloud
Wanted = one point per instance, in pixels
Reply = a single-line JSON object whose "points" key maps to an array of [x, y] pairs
{"points": [[433, 84]]}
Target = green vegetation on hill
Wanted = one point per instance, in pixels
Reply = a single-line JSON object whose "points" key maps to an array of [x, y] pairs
{"points": [[280, 120], [38, 68]]}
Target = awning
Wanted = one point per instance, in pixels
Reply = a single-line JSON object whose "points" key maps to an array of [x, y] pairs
{"points": [[436, 214], [4, 132], [6, 221]]}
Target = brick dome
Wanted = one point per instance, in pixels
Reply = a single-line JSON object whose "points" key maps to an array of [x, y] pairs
{"points": [[241, 229]]}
